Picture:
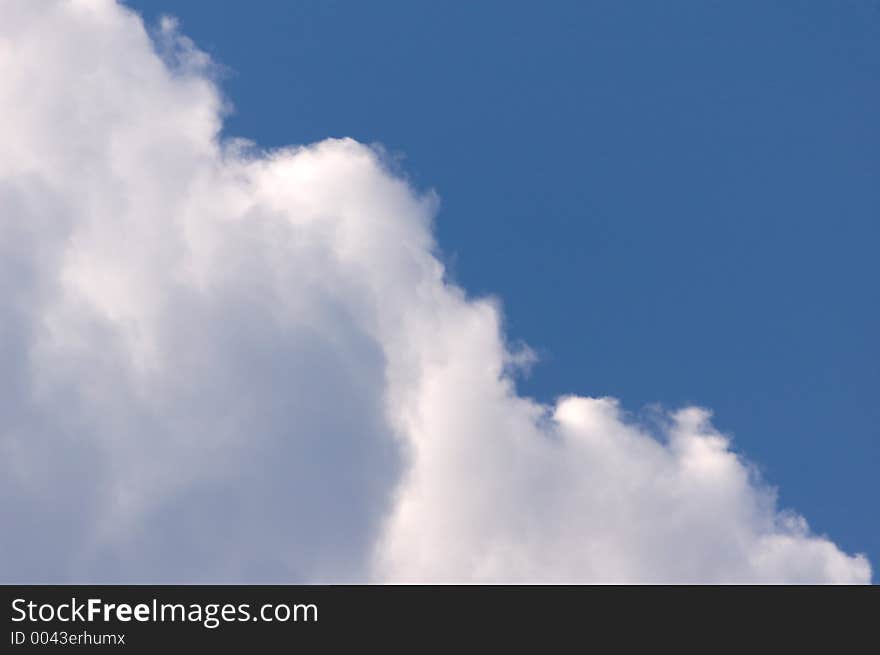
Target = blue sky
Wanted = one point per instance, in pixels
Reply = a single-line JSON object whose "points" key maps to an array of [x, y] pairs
{"points": [[676, 202]]}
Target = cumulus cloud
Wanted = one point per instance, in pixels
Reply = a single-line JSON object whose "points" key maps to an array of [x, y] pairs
{"points": [[224, 365]]}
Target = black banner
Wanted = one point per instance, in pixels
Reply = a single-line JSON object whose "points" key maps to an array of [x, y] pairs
{"points": [[549, 619]]}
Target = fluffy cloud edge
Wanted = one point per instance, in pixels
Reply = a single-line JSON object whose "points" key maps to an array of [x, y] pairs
{"points": [[261, 362]]}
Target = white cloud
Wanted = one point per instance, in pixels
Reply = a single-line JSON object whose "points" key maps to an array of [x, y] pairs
{"points": [[227, 366]]}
